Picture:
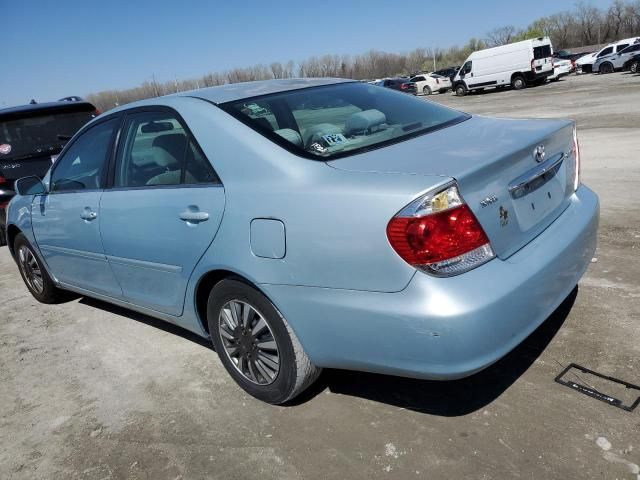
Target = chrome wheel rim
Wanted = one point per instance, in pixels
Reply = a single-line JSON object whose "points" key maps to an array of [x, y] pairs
{"points": [[30, 269], [249, 342]]}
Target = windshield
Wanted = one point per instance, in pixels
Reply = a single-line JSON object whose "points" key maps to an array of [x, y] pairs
{"points": [[337, 120], [40, 133]]}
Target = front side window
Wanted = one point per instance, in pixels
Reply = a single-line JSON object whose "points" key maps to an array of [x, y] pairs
{"points": [[467, 67], [606, 51], [156, 150], [82, 166], [337, 120]]}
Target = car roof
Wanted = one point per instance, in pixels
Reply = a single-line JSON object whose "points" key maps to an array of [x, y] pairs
{"points": [[238, 91], [34, 107]]}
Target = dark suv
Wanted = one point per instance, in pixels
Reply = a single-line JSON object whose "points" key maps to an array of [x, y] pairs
{"points": [[31, 137]]}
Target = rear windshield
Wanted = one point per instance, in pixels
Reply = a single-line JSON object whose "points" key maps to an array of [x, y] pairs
{"points": [[39, 133], [542, 51], [337, 120]]}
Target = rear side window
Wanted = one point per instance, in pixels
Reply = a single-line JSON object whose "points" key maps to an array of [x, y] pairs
{"points": [[619, 48], [337, 120], [157, 151], [543, 51], [81, 167]]}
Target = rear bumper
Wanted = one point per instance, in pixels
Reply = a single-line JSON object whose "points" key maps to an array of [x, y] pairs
{"points": [[446, 328]]}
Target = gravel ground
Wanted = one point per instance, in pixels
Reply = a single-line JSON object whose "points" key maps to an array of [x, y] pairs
{"points": [[93, 391]]}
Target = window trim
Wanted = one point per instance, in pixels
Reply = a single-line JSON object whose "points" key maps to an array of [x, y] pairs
{"points": [[107, 161], [227, 107], [121, 140]]}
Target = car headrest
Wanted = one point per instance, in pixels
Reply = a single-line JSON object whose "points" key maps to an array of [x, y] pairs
{"points": [[364, 121], [169, 149], [315, 133], [290, 135], [262, 123]]}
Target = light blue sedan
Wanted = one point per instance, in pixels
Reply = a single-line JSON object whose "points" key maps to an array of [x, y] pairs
{"points": [[303, 224]]}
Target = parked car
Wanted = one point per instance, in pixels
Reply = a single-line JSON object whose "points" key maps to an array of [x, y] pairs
{"points": [[427, 83], [632, 64], [402, 84], [585, 63], [388, 235], [31, 136], [567, 55], [517, 64], [615, 61], [449, 72], [561, 68]]}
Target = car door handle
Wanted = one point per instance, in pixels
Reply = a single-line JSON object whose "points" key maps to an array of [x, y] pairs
{"points": [[88, 215], [194, 216]]}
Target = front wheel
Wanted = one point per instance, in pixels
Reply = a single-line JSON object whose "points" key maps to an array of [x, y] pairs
{"points": [[461, 90], [34, 275], [606, 68], [256, 344], [518, 82]]}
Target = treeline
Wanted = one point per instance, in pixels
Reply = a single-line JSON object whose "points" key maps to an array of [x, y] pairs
{"points": [[584, 25]]}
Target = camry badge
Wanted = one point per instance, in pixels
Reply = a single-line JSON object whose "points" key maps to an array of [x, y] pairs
{"points": [[538, 153]]}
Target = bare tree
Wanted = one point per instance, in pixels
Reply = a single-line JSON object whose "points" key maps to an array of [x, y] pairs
{"points": [[501, 36]]}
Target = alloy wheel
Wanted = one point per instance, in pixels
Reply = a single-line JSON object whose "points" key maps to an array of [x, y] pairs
{"points": [[249, 342], [30, 269]]}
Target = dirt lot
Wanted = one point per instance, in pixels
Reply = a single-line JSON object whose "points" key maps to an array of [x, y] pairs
{"points": [[91, 391]]}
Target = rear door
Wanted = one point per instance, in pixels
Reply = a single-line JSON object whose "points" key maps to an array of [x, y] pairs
{"points": [[66, 220], [162, 211]]}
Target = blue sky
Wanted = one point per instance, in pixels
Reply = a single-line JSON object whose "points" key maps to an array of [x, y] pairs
{"points": [[68, 47]]}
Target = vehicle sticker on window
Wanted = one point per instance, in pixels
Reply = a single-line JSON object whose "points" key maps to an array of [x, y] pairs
{"points": [[5, 149], [334, 139], [317, 147]]}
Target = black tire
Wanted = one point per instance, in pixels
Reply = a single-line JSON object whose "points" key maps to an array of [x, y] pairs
{"points": [[518, 82], [427, 90], [461, 89], [634, 67], [606, 67], [48, 293], [295, 372]]}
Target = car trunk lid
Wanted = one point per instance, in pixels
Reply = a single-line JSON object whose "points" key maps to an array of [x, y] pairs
{"points": [[514, 196]]}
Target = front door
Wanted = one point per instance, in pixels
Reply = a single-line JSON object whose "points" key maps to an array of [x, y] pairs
{"points": [[162, 212], [66, 219]]}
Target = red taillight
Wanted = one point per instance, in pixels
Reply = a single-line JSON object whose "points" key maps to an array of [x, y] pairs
{"points": [[436, 237], [97, 112], [404, 86], [3, 180], [438, 81], [439, 234]]}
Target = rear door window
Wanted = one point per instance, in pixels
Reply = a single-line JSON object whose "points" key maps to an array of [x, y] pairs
{"points": [[619, 48], [543, 51], [158, 151]]}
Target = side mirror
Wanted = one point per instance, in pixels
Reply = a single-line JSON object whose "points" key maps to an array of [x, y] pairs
{"points": [[30, 186]]}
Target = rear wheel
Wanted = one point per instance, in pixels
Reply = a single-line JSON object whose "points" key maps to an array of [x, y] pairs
{"points": [[34, 275], [426, 90], [635, 67], [606, 67], [518, 82], [256, 344], [461, 90]]}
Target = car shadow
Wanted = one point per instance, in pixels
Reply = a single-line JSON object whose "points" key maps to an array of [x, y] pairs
{"points": [[147, 320], [443, 398], [446, 398]]}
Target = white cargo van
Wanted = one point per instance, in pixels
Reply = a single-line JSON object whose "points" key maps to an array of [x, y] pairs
{"points": [[517, 64]]}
